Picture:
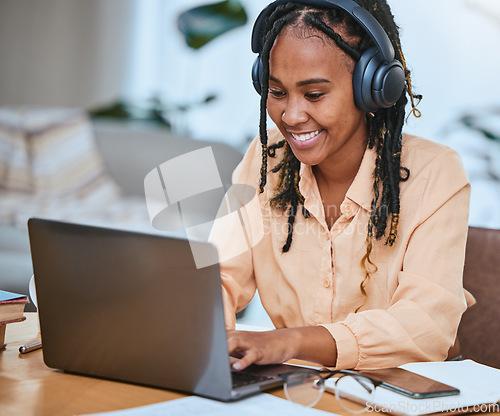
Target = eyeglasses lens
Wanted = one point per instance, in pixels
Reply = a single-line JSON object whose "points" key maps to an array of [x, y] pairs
{"points": [[304, 388], [354, 393]]}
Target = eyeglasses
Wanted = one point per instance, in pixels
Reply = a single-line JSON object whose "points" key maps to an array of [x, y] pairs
{"points": [[306, 387]]}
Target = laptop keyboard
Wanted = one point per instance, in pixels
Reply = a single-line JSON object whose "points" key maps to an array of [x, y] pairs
{"points": [[241, 378]]}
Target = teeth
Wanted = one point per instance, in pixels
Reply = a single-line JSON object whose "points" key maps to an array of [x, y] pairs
{"points": [[304, 137]]}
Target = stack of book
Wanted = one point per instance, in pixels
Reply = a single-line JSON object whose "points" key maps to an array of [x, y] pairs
{"points": [[11, 310]]}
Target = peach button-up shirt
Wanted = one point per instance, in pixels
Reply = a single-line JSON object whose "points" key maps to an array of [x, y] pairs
{"points": [[414, 300]]}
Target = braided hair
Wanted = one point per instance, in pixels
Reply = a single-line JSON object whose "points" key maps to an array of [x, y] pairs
{"points": [[385, 127]]}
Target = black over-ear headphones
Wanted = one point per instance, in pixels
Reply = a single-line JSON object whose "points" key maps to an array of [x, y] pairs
{"points": [[378, 78]]}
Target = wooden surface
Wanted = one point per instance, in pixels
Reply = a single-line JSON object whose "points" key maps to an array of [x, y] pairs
{"points": [[29, 388]]}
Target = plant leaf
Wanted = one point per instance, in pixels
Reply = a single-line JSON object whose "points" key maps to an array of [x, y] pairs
{"points": [[202, 24]]}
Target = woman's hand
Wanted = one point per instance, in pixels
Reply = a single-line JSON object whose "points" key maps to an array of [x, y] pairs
{"points": [[269, 347], [281, 345]]}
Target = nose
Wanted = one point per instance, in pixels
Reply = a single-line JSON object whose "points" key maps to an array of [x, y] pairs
{"points": [[294, 112]]}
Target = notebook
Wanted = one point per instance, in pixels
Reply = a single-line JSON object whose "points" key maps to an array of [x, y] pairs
{"points": [[133, 307]]}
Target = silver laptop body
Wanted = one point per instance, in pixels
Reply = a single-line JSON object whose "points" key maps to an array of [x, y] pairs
{"points": [[133, 307]]}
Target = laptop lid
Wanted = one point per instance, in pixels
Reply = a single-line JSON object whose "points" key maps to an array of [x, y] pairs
{"points": [[132, 307]]}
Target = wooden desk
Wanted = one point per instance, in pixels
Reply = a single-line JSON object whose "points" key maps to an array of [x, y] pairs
{"points": [[28, 387]]}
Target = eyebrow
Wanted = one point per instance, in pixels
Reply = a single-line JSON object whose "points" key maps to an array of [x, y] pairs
{"points": [[305, 82]]}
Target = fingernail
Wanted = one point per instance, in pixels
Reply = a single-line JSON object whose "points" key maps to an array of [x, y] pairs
{"points": [[237, 366]]}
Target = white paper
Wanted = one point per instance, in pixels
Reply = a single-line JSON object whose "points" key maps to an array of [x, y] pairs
{"points": [[479, 385], [260, 405]]}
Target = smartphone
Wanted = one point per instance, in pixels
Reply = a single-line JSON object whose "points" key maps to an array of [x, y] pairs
{"points": [[410, 384]]}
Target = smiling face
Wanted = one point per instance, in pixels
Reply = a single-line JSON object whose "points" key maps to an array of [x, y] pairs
{"points": [[311, 100]]}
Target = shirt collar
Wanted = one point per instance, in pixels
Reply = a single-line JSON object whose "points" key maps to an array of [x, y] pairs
{"points": [[361, 189]]}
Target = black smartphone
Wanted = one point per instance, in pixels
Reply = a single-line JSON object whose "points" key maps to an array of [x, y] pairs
{"points": [[410, 384]]}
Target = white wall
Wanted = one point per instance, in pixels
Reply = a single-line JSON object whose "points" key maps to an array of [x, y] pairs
{"points": [[453, 51]]}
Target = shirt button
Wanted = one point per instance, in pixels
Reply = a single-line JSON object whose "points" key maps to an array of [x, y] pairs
{"points": [[326, 283]]}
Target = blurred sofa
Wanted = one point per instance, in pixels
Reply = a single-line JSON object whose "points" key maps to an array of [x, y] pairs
{"points": [[104, 187]]}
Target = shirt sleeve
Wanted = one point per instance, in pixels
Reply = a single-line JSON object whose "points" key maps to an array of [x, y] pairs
{"points": [[422, 319]]}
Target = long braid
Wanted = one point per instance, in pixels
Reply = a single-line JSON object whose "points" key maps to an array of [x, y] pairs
{"points": [[280, 17], [286, 192], [391, 124], [394, 176]]}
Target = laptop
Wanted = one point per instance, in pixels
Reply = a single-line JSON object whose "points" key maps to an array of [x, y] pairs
{"points": [[133, 307]]}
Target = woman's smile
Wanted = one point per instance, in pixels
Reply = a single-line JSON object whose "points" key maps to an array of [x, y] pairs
{"points": [[303, 140]]}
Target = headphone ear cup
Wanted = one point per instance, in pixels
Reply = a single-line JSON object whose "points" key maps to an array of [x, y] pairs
{"points": [[376, 83], [257, 74], [362, 80], [388, 83]]}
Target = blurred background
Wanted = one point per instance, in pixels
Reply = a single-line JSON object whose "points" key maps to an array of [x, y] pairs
{"points": [[132, 83], [92, 53]]}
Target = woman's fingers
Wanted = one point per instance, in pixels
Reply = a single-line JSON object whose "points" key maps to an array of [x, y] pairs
{"points": [[241, 349], [236, 344], [270, 347], [248, 359]]}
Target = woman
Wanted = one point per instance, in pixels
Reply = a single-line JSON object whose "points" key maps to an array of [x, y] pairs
{"points": [[358, 232]]}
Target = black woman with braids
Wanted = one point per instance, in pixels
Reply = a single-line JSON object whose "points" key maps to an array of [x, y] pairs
{"points": [[357, 231]]}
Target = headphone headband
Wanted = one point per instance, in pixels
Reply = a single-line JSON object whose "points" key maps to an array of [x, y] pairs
{"points": [[361, 15]]}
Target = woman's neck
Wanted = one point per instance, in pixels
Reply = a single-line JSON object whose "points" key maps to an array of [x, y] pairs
{"points": [[342, 170]]}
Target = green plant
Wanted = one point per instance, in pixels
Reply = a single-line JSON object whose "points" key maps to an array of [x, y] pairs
{"points": [[152, 110], [483, 123], [202, 24]]}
